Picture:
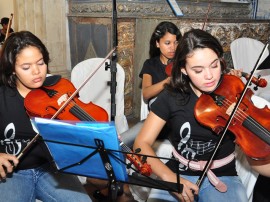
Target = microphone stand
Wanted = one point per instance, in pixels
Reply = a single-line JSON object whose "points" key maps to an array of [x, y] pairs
{"points": [[116, 189], [112, 66]]}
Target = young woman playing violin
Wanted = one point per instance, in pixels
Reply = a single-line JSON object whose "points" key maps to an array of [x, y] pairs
{"points": [[162, 46], [23, 67], [197, 68]]}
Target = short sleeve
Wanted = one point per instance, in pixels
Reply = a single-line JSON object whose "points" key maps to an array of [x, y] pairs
{"points": [[161, 106]]}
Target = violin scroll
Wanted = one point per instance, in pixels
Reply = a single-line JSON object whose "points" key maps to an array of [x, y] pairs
{"points": [[140, 164], [259, 82]]}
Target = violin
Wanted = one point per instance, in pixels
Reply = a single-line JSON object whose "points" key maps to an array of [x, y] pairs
{"points": [[50, 98], [260, 82], [250, 125], [46, 101]]}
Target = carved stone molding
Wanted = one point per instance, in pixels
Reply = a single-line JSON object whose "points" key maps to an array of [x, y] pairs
{"points": [[159, 8]]}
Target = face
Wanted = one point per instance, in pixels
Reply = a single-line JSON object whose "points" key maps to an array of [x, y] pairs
{"points": [[204, 70], [30, 70], [5, 26], [167, 45]]}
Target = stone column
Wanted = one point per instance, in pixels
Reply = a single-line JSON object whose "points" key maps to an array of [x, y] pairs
{"points": [[47, 20]]}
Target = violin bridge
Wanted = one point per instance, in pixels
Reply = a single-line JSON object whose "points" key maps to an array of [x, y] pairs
{"points": [[218, 99]]}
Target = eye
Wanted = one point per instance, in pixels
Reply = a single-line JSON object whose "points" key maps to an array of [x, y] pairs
{"points": [[25, 67], [198, 70], [167, 43], [41, 62]]}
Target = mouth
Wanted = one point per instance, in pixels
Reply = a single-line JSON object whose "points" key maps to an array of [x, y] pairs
{"points": [[210, 84], [37, 80]]}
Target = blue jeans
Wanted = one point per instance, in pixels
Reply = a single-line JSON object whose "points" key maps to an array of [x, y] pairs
{"points": [[207, 193], [39, 183]]}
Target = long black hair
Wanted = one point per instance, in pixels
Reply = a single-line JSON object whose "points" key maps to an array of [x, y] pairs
{"points": [[191, 40], [160, 30], [13, 46]]}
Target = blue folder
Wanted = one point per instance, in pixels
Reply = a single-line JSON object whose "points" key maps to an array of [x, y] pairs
{"points": [[73, 146]]}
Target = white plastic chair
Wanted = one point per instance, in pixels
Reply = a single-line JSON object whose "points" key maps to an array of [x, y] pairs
{"points": [[144, 109], [97, 89], [245, 53]]}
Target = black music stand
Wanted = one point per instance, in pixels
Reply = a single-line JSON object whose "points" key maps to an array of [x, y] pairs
{"points": [[92, 149]]}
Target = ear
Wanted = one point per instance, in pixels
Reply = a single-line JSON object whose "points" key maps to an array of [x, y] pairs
{"points": [[157, 44], [183, 70]]}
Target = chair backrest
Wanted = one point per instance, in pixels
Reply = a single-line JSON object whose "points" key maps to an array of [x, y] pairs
{"points": [[144, 109], [245, 53], [97, 90]]}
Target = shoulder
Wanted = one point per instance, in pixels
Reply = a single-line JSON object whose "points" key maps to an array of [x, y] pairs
{"points": [[150, 65], [6, 93], [152, 61]]}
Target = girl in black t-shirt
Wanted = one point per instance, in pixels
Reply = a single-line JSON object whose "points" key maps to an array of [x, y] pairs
{"points": [[197, 68], [163, 43], [23, 67]]}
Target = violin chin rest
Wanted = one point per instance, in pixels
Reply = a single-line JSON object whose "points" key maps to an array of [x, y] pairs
{"points": [[51, 80]]}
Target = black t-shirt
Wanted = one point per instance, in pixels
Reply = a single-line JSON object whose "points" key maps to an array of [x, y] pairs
{"points": [[192, 140], [16, 130], [3, 36], [156, 69]]}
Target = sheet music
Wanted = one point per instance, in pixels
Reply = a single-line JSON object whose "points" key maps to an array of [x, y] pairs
{"points": [[176, 9]]}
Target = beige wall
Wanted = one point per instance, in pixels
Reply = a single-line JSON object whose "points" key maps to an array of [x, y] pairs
{"points": [[47, 20], [6, 8]]}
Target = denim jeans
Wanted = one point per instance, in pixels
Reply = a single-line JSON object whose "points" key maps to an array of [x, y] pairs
{"points": [[39, 183], [207, 193]]}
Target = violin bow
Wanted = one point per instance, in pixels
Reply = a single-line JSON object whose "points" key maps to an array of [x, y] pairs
{"points": [[9, 24], [66, 102], [208, 164], [206, 18]]}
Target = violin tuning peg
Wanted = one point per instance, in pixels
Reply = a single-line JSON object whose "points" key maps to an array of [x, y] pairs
{"points": [[255, 88], [144, 159], [138, 150], [129, 165]]}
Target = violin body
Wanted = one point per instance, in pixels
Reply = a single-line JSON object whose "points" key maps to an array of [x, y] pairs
{"points": [[250, 124], [45, 101]]}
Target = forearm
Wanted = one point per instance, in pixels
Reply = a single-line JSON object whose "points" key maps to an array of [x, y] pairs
{"points": [[260, 166], [154, 90]]}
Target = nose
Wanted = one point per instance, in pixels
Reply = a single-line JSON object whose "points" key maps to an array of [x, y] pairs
{"points": [[208, 74], [36, 69], [174, 46]]}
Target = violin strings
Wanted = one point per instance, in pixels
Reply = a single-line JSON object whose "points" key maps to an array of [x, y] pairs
{"points": [[241, 116], [125, 147], [85, 116]]}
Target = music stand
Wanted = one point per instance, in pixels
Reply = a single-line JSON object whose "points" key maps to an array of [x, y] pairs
{"points": [[91, 149]]}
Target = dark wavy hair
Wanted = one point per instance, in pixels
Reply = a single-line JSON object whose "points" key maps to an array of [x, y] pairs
{"points": [[13, 46], [191, 40], [161, 29]]}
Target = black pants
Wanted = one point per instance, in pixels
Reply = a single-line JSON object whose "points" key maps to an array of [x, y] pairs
{"points": [[262, 190]]}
